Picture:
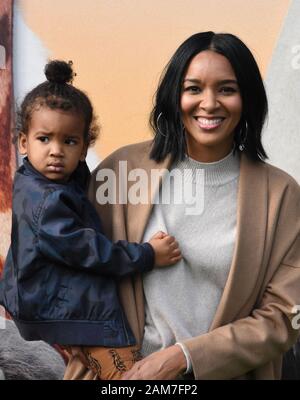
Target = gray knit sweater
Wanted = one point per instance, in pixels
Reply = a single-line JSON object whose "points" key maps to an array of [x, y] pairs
{"points": [[181, 300]]}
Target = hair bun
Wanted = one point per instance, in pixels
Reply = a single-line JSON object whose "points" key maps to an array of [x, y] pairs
{"points": [[60, 72]]}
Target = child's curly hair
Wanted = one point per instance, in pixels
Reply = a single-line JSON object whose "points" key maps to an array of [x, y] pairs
{"points": [[57, 92]]}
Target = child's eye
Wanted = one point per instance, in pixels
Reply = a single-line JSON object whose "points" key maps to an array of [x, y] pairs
{"points": [[43, 139], [71, 141]]}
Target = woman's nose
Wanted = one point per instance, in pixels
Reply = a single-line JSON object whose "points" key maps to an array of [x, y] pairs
{"points": [[209, 101]]}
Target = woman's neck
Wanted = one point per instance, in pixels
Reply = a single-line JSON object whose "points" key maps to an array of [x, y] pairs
{"points": [[208, 154]]}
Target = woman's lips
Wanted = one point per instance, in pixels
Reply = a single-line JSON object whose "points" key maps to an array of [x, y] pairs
{"points": [[209, 123]]}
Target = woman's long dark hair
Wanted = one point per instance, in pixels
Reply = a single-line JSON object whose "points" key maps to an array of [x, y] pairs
{"points": [[165, 118]]}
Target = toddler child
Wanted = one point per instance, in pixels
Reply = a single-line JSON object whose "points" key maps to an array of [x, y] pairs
{"points": [[61, 272]]}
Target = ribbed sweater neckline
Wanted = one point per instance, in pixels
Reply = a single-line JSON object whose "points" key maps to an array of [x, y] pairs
{"points": [[216, 173]]}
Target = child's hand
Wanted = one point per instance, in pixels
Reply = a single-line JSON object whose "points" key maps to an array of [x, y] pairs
{"points": [[166, 249]]}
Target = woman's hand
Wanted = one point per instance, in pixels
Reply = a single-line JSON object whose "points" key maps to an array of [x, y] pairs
{"points": [[164, 364]]}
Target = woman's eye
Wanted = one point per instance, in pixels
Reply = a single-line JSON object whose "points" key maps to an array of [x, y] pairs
{"points": [[228, 90], [192, 89], [43, 139]]}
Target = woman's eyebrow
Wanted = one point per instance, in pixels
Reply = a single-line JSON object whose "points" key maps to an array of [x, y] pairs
{"points": [[192, 80], [222, 82], [225, 81]]}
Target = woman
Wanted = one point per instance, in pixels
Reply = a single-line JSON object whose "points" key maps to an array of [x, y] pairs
{"points": [[225, 311]]}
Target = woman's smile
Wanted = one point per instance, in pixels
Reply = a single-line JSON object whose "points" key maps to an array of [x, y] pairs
{"points": [[209, 124]]}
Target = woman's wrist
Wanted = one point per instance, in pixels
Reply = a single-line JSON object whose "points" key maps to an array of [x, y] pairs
{"points": [[188, 361], [180, 359]]}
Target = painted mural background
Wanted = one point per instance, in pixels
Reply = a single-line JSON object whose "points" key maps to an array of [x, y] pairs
{"points": [[7, 151], [119, 49]]}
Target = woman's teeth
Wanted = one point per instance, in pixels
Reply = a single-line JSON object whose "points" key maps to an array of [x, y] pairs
{"points": [[205, 123]]}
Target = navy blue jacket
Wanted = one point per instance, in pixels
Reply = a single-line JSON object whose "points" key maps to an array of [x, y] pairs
{"points": [[59, 282]]}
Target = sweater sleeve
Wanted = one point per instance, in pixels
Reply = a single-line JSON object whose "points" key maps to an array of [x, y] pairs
{"points": [[63, 238]]}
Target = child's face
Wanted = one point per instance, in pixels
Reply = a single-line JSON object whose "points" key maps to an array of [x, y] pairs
{"points": [[54, 143]]}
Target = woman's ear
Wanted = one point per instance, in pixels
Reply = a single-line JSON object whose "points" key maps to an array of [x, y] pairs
{"points": [[22, 144]]}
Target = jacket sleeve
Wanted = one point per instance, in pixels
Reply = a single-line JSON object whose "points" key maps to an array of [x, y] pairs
{"points": [[63, 238]]}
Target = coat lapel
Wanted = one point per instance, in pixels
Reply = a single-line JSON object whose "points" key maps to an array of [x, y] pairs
{"points": [[138, 214], [249, 249], [136, 222]]}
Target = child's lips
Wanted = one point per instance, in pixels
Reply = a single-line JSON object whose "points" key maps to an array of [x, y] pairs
{"points": [[55, 167]]}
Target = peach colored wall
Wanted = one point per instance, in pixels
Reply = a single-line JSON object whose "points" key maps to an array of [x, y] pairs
{"points": [[119, 48]]}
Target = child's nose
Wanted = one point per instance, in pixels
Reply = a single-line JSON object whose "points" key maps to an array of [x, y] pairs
{"points": [[56, 149]]}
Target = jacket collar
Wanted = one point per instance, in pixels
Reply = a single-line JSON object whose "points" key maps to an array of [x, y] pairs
{"points": [[80, 176]]}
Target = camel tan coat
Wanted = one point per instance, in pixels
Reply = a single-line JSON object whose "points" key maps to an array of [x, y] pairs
{"points": [[252, 326]]}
